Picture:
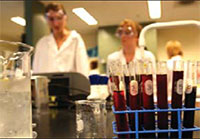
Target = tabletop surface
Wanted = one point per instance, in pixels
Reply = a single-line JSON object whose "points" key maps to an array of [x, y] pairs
{"points": [[61, 123]]}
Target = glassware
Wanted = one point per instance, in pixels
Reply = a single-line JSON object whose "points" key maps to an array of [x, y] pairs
{"points": [[91, 118], [161, 79], [177, 93], [119, 97], [190, 97], [15, 90], [148, 102], [198, 73], [138, 75], [134, 97], [129, 74]]}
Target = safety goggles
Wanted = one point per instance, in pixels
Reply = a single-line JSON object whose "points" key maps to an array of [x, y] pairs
{"points": [[127, 32], [59, 16], [52, 19]]}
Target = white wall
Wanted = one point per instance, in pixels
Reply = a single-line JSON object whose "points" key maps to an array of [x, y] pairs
{"points": [[151, 41], [189, 36]]}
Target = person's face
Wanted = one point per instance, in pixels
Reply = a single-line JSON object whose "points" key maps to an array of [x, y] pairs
{"points": [[128, 35], [56, 20]]}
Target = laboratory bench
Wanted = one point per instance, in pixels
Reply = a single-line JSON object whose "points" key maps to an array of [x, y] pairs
{"points": [[61, 122]]}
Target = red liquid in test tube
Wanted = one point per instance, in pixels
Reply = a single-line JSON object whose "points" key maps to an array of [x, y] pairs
{"points": [[177, 91], [120, 105], [134, 102], [148, 103], [162, 103], [190, 97], [121, 119], [188, 117]]}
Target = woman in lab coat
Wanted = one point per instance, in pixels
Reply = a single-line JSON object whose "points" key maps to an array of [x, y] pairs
{"points": [[174, 52], [63, 50], [128, 32]]}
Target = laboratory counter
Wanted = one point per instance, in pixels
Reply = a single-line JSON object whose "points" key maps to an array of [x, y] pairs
{"points": [[61, 123]]}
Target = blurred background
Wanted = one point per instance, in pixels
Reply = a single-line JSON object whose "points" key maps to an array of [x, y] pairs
{"points": [[100, 38]]}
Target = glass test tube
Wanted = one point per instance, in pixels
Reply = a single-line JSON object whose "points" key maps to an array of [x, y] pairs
{"points": [[177, 93], [162, 103]]}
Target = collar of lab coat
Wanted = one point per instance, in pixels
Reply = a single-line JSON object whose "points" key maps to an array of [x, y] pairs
{"points": [[178, 57], [52, 42], [136, 57]]}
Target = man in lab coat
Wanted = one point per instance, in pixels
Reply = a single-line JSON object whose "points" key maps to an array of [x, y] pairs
{"points": [[63, 50]]}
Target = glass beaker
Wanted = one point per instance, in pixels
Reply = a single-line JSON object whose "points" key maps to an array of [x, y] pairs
{"points": [[15, 90], [91, 118]]}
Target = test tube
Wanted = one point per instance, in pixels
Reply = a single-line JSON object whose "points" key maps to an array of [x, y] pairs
{"points": [[134, 98], [190, 97], [148, 102], [161, 79], [198, 73], [127, 78], [177, 93], [119, 98], [138, 75]]}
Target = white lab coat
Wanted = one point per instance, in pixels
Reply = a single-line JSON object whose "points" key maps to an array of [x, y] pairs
{"points": [[71, 57], [138, 56], [170, 61]]}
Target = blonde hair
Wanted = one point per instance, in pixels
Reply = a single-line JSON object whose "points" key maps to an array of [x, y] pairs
{"points": [[128, 22], [174, 48]]}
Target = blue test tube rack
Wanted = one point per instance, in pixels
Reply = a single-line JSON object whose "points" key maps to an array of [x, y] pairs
{"points": [[157, 130]]}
